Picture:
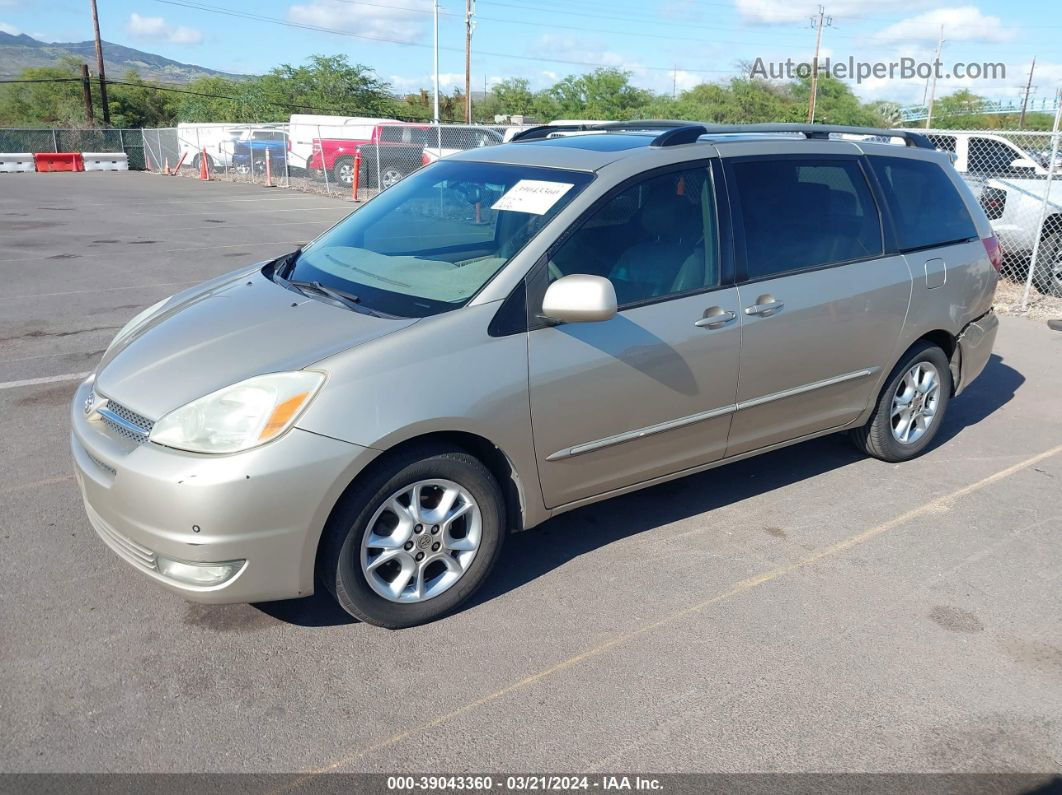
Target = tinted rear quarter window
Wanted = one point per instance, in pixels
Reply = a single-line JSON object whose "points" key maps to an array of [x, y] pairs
{"points": [[926, 207]]}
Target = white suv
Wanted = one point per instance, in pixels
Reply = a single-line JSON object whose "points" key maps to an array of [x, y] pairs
{"points": [[1013, 184]]}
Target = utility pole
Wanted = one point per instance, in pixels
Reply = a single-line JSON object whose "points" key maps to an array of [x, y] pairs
{"points": [[469, 10], [933, 85], [435, 111], [99, 65], [823, 19], [674, 82], [1028, 90], [86, 90]]}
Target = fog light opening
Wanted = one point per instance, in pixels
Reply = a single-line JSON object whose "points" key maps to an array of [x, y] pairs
{"points": [[201, 574]]}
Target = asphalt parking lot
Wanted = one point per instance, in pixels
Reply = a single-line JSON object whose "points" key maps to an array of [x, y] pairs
{"points": [[809, 610]]}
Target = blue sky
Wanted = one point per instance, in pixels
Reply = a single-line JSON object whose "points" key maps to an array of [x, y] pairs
{"points": [[665, 44]]}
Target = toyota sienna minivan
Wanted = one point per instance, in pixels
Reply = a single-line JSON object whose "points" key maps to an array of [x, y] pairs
{"points": [[519, 330]]}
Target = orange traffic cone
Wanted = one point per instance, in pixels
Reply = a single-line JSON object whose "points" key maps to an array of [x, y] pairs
{"points": [[166, 169], [204, 169]]}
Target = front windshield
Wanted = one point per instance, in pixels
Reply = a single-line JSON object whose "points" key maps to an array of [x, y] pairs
{"points": [[429, 243]]}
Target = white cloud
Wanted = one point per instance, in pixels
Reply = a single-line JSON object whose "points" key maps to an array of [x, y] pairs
{"points": [[778, 12], [407, 23], [5, 28], [158, 28], [964, 23], [583, 50]]}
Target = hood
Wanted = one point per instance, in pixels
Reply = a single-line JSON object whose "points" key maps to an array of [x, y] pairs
{"points": [[223, 332]]}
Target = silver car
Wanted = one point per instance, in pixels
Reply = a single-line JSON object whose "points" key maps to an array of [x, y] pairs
{"points": [[523, 329]]}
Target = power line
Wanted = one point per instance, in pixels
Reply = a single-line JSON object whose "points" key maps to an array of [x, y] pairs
{"points": [[321, 29]]}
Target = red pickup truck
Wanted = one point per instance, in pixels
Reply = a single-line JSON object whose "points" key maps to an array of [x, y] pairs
{"points": [[336, 155]]}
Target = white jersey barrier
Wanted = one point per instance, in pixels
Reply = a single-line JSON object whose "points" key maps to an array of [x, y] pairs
{"points": [[105, 161], [17, 162]]}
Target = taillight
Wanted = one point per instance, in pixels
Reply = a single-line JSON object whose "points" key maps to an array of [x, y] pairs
{"points": [[995, 251], [425, 158]]}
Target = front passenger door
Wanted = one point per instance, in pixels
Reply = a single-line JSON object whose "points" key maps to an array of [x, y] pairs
{"points": [[649, 392]]}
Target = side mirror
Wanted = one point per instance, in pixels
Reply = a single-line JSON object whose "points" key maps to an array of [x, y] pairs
{"points": [[1024, 164], [580, 298]]}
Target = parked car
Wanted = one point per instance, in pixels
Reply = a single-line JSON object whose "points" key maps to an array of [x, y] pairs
{"points": [[217, 139], [304, 129], [250, 153], [336, 155], [358, 413], [402, 150], [1014, 184]]}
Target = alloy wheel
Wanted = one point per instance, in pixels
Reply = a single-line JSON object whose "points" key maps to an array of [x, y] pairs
{"points": [[421, 541], [915, 403]]}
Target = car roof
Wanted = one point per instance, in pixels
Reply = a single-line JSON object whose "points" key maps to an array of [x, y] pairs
{"points": [[593, 150]]}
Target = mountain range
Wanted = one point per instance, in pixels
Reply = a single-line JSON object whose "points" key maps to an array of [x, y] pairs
{"points": [[19, 52]]}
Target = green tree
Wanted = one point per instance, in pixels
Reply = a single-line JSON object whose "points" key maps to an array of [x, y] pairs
{"points": [[327, 84], [513, 96], [207, 99], [55, 101], [834, 103], [141, 104], [601, 94]]}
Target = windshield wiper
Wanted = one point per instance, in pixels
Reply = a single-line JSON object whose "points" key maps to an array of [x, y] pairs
{"points": [[348, 299]]}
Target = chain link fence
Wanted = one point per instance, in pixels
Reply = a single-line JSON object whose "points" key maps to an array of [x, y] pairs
{"points": [[315, 158], [130, 141], [1017, 177]]}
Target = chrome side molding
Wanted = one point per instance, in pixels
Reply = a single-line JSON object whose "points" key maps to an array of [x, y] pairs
{"points": [[682, 422]]}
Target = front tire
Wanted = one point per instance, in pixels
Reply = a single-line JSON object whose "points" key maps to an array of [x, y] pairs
{"points": [[343, 171], [415, 539], [910, 408]]}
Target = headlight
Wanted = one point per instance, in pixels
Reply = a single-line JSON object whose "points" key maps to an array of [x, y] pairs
{"points": [[240, 416], [135, 323]]}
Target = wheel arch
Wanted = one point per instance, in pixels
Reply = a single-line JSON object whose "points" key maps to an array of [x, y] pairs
{"points": [[948, 343]]}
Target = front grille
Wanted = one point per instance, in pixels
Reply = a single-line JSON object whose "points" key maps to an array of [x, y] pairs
{"points": [[137, 420]]}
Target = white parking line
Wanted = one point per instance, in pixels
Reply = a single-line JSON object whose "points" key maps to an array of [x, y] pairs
{"points": [[48, 379]]}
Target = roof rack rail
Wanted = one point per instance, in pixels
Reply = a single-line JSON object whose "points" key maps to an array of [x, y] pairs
{"points": [[691, 132], [645, 125]]}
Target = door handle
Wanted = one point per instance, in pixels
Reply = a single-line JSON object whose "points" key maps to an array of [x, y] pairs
{"points": [[716, 317], [766, 308]]}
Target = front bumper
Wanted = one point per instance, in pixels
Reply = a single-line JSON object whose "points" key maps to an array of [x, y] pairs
{"points": [[265, 506]]}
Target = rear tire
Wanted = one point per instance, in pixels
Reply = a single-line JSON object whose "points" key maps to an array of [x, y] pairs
{"points": [[911, 406], [456, 554]]}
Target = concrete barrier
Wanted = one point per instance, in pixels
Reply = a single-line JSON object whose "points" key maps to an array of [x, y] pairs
{"points": [[58, 161], [106, 161], [16, 162]]}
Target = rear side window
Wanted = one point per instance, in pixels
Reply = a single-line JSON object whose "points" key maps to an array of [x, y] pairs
{"points": [[925, 204], [802, 214]]}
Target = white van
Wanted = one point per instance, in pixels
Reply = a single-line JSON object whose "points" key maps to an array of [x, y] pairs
{"points": [[304, 128]]}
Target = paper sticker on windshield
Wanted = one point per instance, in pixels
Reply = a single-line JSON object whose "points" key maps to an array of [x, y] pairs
{"points": [[532, 196]]}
